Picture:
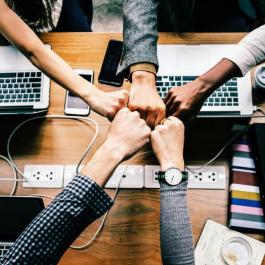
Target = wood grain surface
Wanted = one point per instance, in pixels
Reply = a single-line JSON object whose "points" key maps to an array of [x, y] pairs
{"points": [[131, 232]]}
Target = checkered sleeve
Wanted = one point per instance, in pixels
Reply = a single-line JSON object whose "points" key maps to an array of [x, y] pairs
{"points": [[49, 235]]}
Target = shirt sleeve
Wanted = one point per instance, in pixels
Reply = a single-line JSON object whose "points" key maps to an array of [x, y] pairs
{"points": [[50, 234], [139, 34], [175, 226], [250, 51]]}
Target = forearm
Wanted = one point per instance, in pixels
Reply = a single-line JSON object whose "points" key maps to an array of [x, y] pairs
{"points": [[105, 160], [78, 205], [216, 76], [249, 52], [140, 33], [21, 36], [175, 226], [57, 226], [60, 72]]}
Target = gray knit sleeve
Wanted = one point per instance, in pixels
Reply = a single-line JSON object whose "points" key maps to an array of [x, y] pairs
{"points": [[139, 33], [175, 226]]}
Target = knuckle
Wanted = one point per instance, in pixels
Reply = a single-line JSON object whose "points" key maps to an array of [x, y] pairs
{"points": [[148, 130], [154, 135], [135, 114], [176, 100]]}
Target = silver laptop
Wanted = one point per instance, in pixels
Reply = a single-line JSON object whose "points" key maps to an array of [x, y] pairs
{"points": [[23, 88], [16, 213], [181, 64]]}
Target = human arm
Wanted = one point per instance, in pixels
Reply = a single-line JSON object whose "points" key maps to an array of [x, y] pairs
{"points": [[13, 28], [82, 201], [186, 101], [175, 226], [139, 58]]}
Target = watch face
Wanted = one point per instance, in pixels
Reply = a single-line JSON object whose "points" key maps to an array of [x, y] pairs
{"points": [[173, 176]]}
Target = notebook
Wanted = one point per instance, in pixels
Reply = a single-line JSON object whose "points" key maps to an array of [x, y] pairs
{"points": [[245, 212]]}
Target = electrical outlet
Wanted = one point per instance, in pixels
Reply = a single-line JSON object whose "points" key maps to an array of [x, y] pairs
{"points": [[151, 177], [69, 173], [212, 177], [43, 176], [133, 177]]}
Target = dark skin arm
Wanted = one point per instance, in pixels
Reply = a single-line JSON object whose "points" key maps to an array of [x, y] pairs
{"points": [[186, 101]]}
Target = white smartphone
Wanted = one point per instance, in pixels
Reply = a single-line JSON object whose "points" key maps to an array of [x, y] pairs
{"points": [[74, 105]]}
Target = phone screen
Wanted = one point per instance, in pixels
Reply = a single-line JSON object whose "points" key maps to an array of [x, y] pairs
{"points": [[74, 102], [110, 64]]}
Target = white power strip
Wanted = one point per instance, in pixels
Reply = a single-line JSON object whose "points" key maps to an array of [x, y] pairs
{"points": [[212, 177], [135, 176], [44, 176], [132, 177]]}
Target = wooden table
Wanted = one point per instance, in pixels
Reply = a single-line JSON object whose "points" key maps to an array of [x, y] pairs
{"points": [[131, 233]]}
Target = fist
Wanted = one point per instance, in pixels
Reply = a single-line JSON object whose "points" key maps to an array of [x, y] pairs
{"points": [[145, 99], [128, 132], [167, 142]]}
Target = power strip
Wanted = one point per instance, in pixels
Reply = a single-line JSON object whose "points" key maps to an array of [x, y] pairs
{"points": [[133, 177], [212, 177], [44, 176]]}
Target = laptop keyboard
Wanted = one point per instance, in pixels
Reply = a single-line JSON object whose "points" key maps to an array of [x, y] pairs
{"points": [[20, 87], [226, 95], [4, 248]]}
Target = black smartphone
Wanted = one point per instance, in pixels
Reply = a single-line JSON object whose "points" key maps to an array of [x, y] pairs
{"points": [[110, 65]]}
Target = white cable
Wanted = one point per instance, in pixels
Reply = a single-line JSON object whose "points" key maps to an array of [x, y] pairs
{"points": [[42, 196], [51, 117], [91, 241], [199, 169], [15, 178], [13, 165]]}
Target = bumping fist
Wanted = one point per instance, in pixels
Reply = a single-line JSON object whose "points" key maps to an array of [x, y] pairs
{"points": [[168, 142], [145, 99], [109, 103], [128, 132]]}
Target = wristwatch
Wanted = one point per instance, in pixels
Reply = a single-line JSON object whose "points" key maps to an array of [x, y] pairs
{"points": [[172, 176]]}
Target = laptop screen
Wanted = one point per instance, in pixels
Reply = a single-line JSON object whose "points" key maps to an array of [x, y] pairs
{"points": [[16, 213]]}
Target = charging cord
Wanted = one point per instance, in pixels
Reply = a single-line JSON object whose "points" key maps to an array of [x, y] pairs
{"points": [[52, 117], [14, 179], [13, 165]]}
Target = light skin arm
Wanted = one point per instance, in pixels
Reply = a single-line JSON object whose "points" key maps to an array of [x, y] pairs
{"points": [[127, 134], [13, 28], [175, 226], [186, 101]]}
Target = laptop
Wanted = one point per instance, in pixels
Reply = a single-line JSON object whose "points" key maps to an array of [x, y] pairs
{"points": [[23, 88], [16, 213], [181, 64]]}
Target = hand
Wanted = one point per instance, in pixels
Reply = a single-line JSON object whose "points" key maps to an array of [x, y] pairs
{"points": [[108, 104], [168, 142], [145, 99], [186, 101], [128, 132]]}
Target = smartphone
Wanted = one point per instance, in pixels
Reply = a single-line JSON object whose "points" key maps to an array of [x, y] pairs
{"points": [[110, 65], [74, 105]]}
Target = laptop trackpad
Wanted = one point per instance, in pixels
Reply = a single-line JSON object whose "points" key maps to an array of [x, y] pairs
{"points": [[192, 58]]}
